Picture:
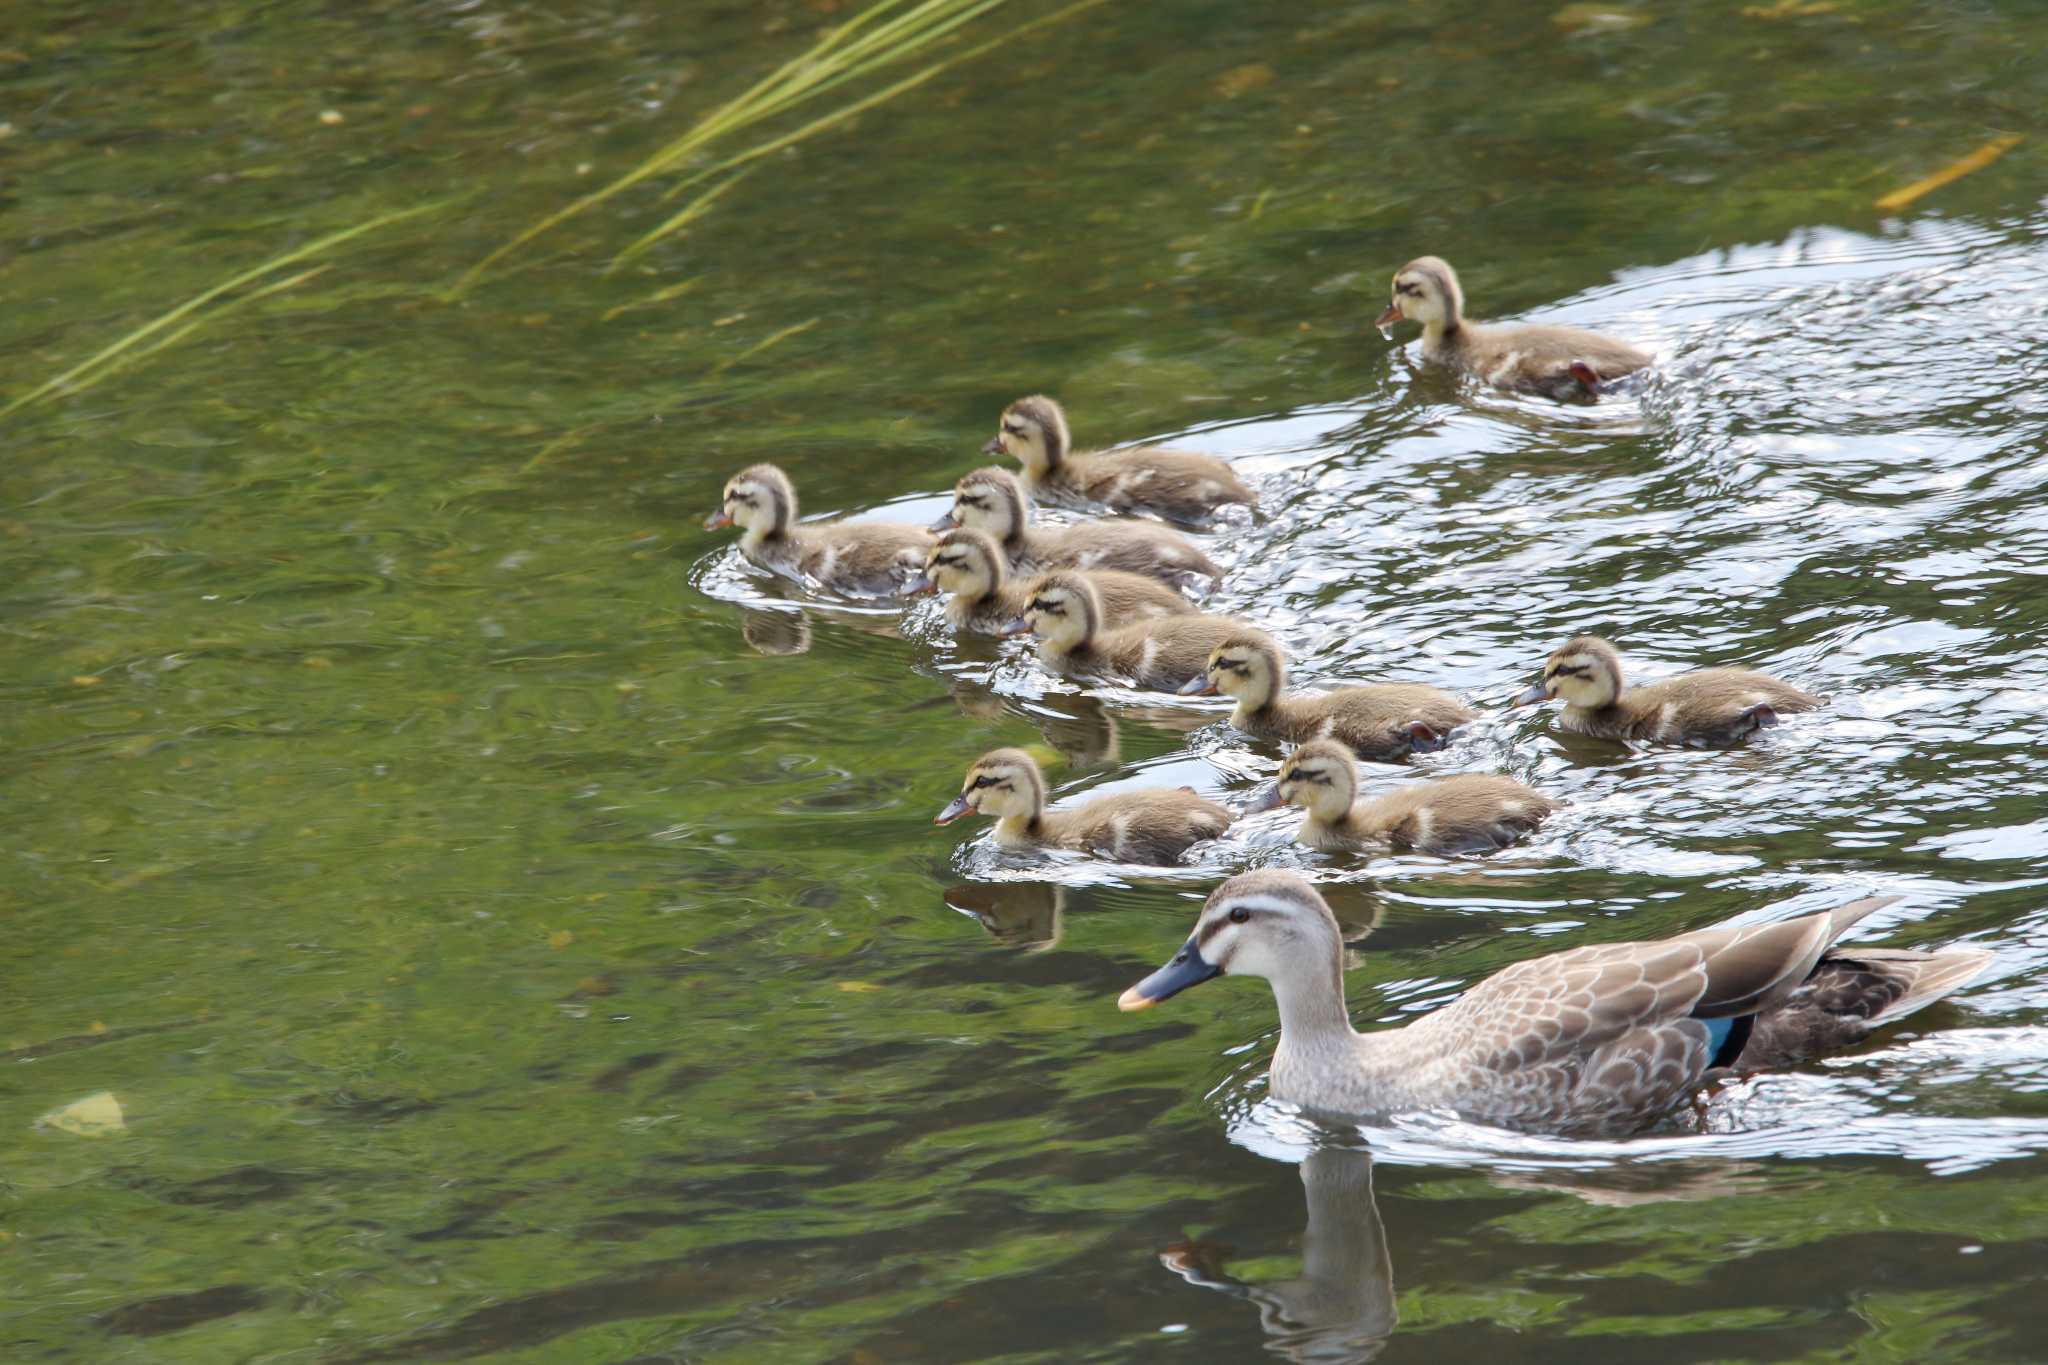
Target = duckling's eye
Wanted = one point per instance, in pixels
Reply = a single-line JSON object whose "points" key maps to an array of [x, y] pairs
{"points": [[1014, 428], [984, 781], [1239, 914]]}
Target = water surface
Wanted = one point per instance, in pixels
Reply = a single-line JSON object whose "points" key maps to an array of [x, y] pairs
{"points": [[513, 927]]}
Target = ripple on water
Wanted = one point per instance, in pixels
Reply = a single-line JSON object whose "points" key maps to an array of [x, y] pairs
{"points": [[1859, 512]]}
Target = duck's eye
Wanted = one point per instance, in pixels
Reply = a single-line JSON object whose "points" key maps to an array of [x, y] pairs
{"points": [[1239, 914], [1014, 428], [983, 781]]}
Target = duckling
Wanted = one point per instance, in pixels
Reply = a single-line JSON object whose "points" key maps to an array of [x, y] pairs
{"points": [[1598, 1040], [1557, 362], [1384, 722], [1161, 654], [1154, 826], [1179, 485], [969, 565], [868, 558], [1468, 813], [992, 500], [1712, 707]]}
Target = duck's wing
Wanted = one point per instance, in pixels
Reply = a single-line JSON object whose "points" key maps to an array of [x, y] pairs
{"points": [[1851, 992], [1568, 1009]]}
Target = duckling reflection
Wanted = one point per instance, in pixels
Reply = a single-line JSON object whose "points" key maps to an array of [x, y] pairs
{"points": [[775, 632], [1027, 915], [1341, 1307]]}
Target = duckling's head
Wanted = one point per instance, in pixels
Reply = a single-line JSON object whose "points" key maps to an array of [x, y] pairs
{"points": [[1004, 783], [1320, 778], [1033, 431], [1268, 923], [990, 500], [759, 500], [1247, 666], [1426, 291], [1585, 670], [965, 563], [1064, 611]]}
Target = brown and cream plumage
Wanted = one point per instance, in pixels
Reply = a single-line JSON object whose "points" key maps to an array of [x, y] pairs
{"points": [[1151, 826], [872, 558], [1558, 362], [992, 500], [1465, 813], [1178, 484], [1711, 707], [1074, 636], [1383, 722], [1604, 1039], [969, 565]]}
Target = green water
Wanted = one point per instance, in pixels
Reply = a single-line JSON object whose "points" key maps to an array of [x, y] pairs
{"points": [[512, 927]]}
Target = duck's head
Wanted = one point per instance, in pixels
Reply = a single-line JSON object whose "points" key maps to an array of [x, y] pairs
{"points": [[760, 500], [1268, 923], [1063, 611], [1247, 667], [988, 500], [1033, 431], [1004, 783], [1585, 670], [1426, 291], [1319, 777], [963, 562]]}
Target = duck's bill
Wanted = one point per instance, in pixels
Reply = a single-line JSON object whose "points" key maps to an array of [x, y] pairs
{"points": [[955, 808], [1017, 626], [1388, 318], [718, 521], [1268, 798], [994, 446], [1535, 694], [947, 522], [1188, 968], [1196, 687], [920, 585], [1424, 738]]}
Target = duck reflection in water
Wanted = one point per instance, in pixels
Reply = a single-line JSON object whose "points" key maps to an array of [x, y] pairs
{"points": [[1027, 915], [1341, 1306]]}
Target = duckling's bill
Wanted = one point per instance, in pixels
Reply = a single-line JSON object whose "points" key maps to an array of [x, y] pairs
{"points": [[1539, 693], [1265, 799], [955, 808], [1188, 968], [718, 520], [1198, 686], [1020, 625], [946, 522], [1386, 320]]}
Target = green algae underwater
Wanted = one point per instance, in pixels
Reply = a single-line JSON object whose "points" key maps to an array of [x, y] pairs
{"points": [[458, 910]]}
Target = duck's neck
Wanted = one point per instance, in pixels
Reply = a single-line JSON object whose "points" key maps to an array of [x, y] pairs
{"points": [[1021, 831], [1312, 1014], [1440, 334], [1346, 832], [1275, 711]]}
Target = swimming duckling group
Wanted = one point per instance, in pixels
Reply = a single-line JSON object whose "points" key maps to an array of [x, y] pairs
{"points": [[1595, 1039]]}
